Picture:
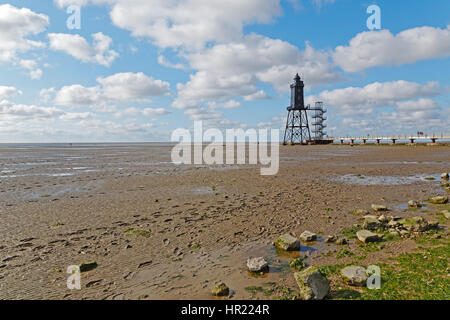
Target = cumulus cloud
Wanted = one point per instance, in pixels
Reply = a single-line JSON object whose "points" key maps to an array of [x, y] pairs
{"points": [[16, 25], [230, 104], [260, 95], [127, 86], [269, 60], [21, 111], [204, 86], [120, 87], [382, 48], [146, 112], [77, 46], [167, 24], [31, 66], [363, 100], [226, 71], [73, 116], [7, 92]]}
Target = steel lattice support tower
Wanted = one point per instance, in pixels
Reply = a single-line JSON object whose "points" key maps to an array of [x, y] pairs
{"points": [[319, 121], [297, 126]]}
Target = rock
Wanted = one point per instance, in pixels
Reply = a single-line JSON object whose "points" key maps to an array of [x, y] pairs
{"points": [[446, 214], [383, 219], [331, 239], [415, 224], [87, 266], [404, 233], [439, 200], [379, 207], [413, 204], [394, 232], [361, 212], [433, 224], [287, 242], [308, 236], [257, 265], [341, 241], [447, 189], [445, 176], [221, 290], [354, 275], [367, 236], [313, 285], [371, 223]]}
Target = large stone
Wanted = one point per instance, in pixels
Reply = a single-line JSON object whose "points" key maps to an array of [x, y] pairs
{"points": [[439, 200], [354, 275], [413, 204], [446, 214], [308, 236], [379, 207], [367, 236], [221, 290], [257, 265], [445, 176], [287, 242], [371, 223], [418, 224], [313, 284], [393, 224], [361, 212]]}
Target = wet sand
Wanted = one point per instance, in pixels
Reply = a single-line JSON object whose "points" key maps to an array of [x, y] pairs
{"points": [[67, 206]]}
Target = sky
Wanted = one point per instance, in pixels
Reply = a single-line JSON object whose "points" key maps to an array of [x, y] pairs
{"points": [[136, 70]]}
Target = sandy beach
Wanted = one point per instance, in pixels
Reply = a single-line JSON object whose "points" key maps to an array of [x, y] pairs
{"points": [[161, 231]]}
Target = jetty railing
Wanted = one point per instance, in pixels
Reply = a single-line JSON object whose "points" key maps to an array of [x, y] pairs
{"points": [[393, 138]]}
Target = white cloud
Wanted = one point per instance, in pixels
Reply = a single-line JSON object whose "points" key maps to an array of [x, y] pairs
{"points": [[164, 62], [191, 23], [226, 71], [16, 25], [8, 92], [47, 93], [16, 111], [127, 85], [146, 112], [77, 95], [260, 95], [230, 104], [270, 60], [417, 105], [76, 46], [363, 100], [120, 87], [73, 116], [204, 86], [31, 66], [382, 48]]}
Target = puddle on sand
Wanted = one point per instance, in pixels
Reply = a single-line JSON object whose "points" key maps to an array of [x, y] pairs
{"points": [[279, 259], [357, 179], [405, 207]]}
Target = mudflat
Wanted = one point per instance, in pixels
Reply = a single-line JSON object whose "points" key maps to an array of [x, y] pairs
{"points": [[161, 231]]}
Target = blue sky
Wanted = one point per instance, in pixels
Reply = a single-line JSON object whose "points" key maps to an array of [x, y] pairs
{"points": [[155, 66]]}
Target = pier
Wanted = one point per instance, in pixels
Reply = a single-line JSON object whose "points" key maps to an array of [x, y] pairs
{"points": [[393, 139]]}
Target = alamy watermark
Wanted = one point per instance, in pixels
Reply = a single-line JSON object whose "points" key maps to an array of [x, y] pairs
{"points": [[74, 20], [374, 279], [258, 142], [374, 21], [74, 280]]}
